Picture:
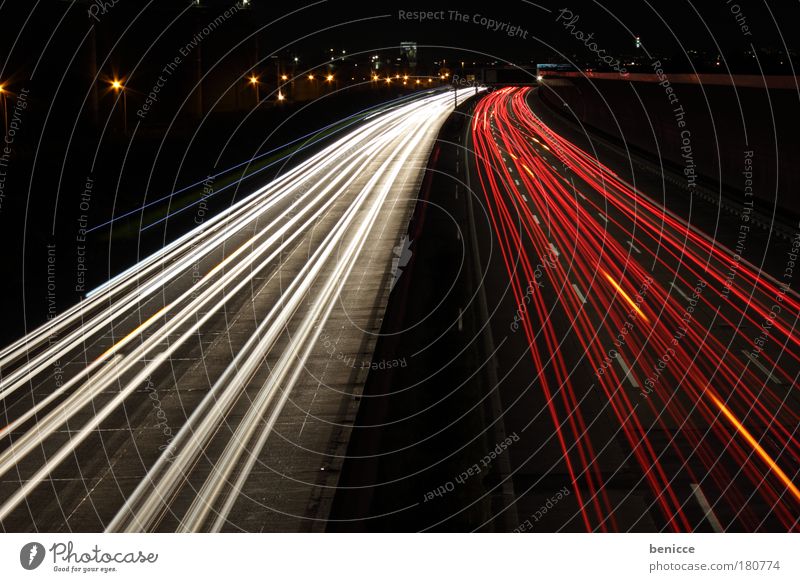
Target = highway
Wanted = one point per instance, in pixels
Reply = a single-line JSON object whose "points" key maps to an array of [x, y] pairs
{"points": [[212, 386], [658, 377], [645, 370]]}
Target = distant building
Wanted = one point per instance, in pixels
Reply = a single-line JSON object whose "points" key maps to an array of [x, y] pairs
{"points": [[408, 52]]}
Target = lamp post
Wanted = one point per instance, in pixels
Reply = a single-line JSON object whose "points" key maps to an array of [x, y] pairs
{"points": [[5, 107], [118, 87], [254, 83]]}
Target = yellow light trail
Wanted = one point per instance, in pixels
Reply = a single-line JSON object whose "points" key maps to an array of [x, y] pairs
{"points": [[758, 448], [121, 343], [625, 296]]}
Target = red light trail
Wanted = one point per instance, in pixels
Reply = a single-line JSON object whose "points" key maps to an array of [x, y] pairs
{"points": [[676, 359]]}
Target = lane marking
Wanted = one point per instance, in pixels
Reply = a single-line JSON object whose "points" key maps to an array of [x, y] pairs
{"points": [[761, 367], [603, 216], [516, 182], [634, 247], [460, 320], [678, 289], [555, 250], [578, 293], [523, 197], [627, 371], [706, 507], [536, 219]]}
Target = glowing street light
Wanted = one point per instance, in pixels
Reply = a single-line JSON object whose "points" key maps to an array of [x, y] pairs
{"points": [[284, 77], [281, 96], [311, 77], [118, 87], [254, 82], [329, 78]]}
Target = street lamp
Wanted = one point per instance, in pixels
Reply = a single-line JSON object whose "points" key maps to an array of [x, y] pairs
{"points": [[311, 77], [3, 93], [118, 88], [329, 78], [254, 83]]}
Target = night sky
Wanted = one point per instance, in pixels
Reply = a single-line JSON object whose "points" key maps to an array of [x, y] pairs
{"points": [[49, 31]]}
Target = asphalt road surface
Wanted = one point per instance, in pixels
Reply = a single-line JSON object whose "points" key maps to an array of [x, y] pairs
{"points": [[212, 386]]}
